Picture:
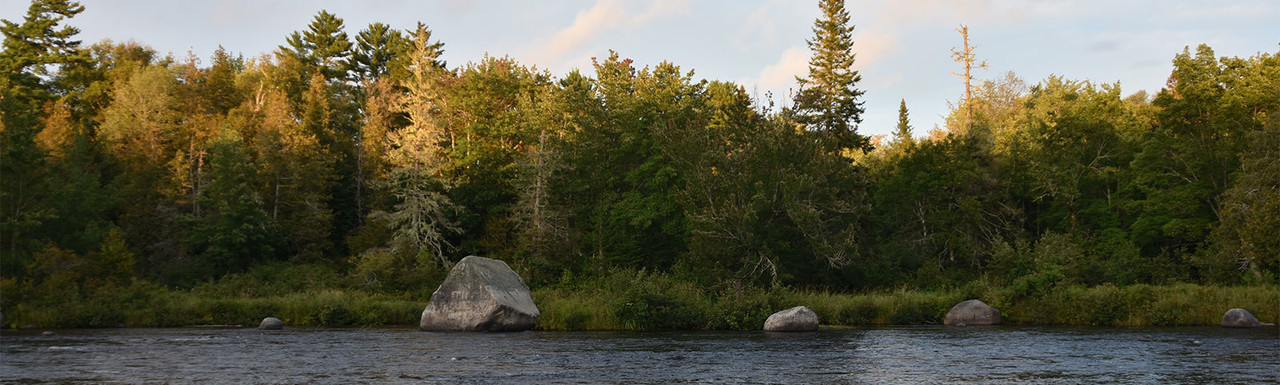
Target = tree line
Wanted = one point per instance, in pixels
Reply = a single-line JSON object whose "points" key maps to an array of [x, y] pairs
{"points": [[371, 156]]}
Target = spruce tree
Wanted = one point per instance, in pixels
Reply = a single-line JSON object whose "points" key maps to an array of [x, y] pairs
{"points": [[828, 101], [903, 135]]}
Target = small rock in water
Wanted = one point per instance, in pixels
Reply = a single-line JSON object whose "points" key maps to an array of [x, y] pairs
{"points": [[47, 333], [271, 323]]}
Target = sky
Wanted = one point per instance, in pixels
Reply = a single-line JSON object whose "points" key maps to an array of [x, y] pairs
{"points": [[903, 47]]}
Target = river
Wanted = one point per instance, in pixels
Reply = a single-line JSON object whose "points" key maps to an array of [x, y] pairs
{"points": [[891, 355]]}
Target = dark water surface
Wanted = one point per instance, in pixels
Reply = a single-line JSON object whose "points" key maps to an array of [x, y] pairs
{"points": [[1203, 355]]}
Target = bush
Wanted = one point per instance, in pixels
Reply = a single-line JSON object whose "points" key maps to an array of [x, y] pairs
{"points": [[656, 302], [568, 309], [739, 308], [334, 315]]}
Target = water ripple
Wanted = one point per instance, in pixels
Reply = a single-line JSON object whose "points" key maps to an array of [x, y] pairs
{"points": [[927, 355]]}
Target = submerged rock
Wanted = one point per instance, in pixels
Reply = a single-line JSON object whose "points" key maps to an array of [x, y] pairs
{"points": [[271, 323], [796, 319], [480, 294], [972, 313], [1240, 318]]}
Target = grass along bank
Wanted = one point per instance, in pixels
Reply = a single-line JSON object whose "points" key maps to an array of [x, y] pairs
{"points": [[147, 305], [640, 301], [621, 300]]}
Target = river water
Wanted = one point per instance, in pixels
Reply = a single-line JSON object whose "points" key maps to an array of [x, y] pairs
{"points": [[893, 355]]}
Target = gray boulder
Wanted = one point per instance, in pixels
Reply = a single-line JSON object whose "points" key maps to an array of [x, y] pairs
{"points": [[271, 323], [796, 319], [480, 294], [972, 313], [1240, 318]]}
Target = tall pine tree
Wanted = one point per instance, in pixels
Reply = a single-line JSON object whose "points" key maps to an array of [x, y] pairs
{"points": [[828, 101], [323, 45], [31, 50], [902, 136]]}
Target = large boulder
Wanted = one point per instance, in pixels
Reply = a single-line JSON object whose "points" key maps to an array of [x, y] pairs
{"points": [[480, 294], [271, 323], [971, 313], [796, 319], [1240, 318]]}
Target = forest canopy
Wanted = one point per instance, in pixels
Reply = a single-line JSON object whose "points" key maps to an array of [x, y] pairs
{"points": [[358, 150]]}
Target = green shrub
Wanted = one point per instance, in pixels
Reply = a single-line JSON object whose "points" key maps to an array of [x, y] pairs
{"points": [[656, 302], [567, 309], [739, 308], [334, 315]]}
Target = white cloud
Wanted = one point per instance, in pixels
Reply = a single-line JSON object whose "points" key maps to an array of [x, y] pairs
{"points": [[760, 28], [606, 15], [780, 76], [588, 23], [661, 9], [870, 47]]}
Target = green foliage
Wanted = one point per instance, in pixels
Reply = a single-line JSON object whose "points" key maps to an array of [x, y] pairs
{"points": [[397, 271], [572, 309], [940, 209], [484, 129], [1189, 159], [268, 279], [745, 308], [234, 231], [1250, 215]]}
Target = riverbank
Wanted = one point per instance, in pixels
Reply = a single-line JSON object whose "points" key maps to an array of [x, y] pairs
{"points": [[657, 302], [625, 300]]}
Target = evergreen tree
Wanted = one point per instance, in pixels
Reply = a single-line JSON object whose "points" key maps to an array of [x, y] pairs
{"points": [[318, 82], [902, 136], [323, 46], [421, 216], [219, 84], [376, 47], [828, 101], [31, 47], [32, 50], [382, 52]]}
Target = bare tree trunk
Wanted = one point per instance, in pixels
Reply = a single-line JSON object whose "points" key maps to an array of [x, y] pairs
{"points": [[966, 58]]}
